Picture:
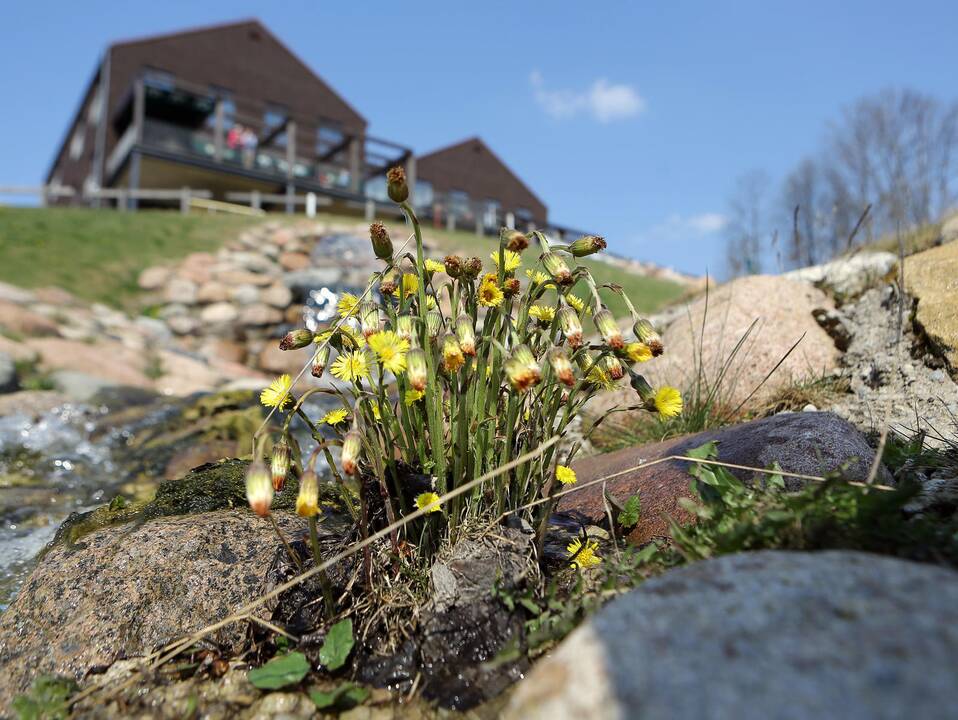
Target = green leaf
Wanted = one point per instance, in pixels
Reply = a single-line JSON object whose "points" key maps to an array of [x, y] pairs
{"points": [[631, 512], [338, 645], [708, 451], [341, 698], [47, 699], [280, 672]]}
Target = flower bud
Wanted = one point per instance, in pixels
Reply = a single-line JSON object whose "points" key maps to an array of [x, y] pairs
{"points": [[642, 387], [416, 371], [511, 286], [452, 358], [521, 369], [466, 335], [516, 241], [259, 488], [382, 245], [433, 323], [320, 360], [352, 448], [307, 502], [609, 329], [396, 186], [646, 333], [279, 464], [586, 245], [406, 327], [389, 282], [571, 327], [557, 268], [471, 268], [369, 318], [614, 367], [453, 265], [561, 366], [296, 339]]}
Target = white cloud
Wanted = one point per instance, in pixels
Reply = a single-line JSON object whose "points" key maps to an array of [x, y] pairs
{"points": [[605, 101], [679, 227], [706, 222]]}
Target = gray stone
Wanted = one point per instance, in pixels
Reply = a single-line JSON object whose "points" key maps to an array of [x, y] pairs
{"points": [[848, 276], [14, 294], [783, 635], [180, 290], [183, 324], [252, 261], [219, 313], [78, 385], [212, 292], [8, 374], [156, 331], [173, 310], [244, 294], [301, 281], [260, 315], [279, 296]]}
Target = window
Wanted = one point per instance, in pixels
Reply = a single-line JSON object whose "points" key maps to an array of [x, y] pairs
{"points": [[223, 95], [375, 189], [77, 141], [524, 219], [95, 108], [491, 213], [159, 79], [423, 194], [274, 118], [329, 137], [459, 204]]}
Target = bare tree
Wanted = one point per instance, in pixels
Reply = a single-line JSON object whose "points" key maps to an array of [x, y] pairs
{"points": [[803, 203], [747, 224]]}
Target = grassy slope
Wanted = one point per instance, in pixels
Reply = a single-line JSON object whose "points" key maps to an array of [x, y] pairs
{"points": [[98, 254]]}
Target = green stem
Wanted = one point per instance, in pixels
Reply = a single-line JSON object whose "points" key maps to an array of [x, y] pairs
{"points": [[323, 577]]}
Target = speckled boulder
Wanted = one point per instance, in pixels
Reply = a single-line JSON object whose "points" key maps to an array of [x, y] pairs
{"points": [[790, 636]]}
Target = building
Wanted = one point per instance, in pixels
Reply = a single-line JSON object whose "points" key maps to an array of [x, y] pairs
{"points": [[228, 109], [230, 112]]}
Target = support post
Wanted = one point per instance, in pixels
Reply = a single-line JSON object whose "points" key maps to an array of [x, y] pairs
{"points": [[134, 179], [411, 177], [255, 200], [370, 210], [310, 204], [450, 222], [185, 200], [99, 141], [510, 221], [139, 115], [218, 130], [355, 163], [290, 162]]}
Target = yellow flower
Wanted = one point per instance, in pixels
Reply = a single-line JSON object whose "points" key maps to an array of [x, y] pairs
{"points": [[575, 302], [410, 284], [348, 336], [347, 304], [434, 266], [489, 295], [599, 376], [351, 366], [428, 501], [334, 417], [277, 393], [537, 276], [513, 259], [668, 401], [638, 352], [565, 475], [583, 556], [390, 350], [542, 313], [413, 395], [430, 302]]}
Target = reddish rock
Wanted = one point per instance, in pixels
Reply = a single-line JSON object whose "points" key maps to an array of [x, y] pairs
{"points": [[294, 260], [226, 350], [153, 278], [212, 292], [273, 360], [260, 315], [282, 237], [294, 314], [16, 318], [55, 296], [807, 443], [105, 359], [198, 454], [18, 351]]}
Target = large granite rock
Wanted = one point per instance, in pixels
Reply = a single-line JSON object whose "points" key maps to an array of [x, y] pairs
{"points": [[809, 443], [782, 635], [8, 374], [783, 309], [123, 590], [848, 277], [931, 277]]}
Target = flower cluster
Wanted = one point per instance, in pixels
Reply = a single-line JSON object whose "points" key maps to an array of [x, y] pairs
{"points": [[461, 368]]}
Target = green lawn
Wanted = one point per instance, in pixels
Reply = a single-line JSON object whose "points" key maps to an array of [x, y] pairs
{"points": [[98, 254]]}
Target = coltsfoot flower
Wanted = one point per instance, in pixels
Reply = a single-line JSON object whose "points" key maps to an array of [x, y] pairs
{"points": [[410, 284], [638, 352], [433, 323], [277, 394], [413, 396], [583, 556], [352, 448], [466, 335], [614, 367], [434, 266], [369, 318], [565, 475], [609, 329], [382, 245], [571, 327], [389, 282], [296, 339], [521, 369], [320, 361], [453, 265], [428, 501], [452, 357], [517, 241], [416, 371], [542, 313], [307, 502], [646, 333], [351, 366], [557, 268], [668, 401], [279, 465], [390, 350], [347, 304], [396, 186], [334, 417], [575, 301], [259, 488], [561, 366], [472, 267], [587, 245], [512, 260], [537, 276], [405, 327], [489, 295]]}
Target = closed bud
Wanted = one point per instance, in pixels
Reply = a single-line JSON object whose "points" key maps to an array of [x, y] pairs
{"points": [[307, 502], [296, 339], [320, 361], [416, 371], [279, 464], [609, 329], [561, 366], [511, 286], [259, 488], [557, 268], [614, 367], [521, 369], [466, 335], [352, 448], [389, 282], [369, 318], [471, 268], [642, 387], [453, 265], [396, 186], [646, 333], [452, 357], [382, 245], [406, 327], [433, 323], [586, 245], [571, 327], [516, 241]]}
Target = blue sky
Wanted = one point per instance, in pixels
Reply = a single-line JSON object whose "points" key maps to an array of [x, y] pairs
{"points": [[629, 119]]}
